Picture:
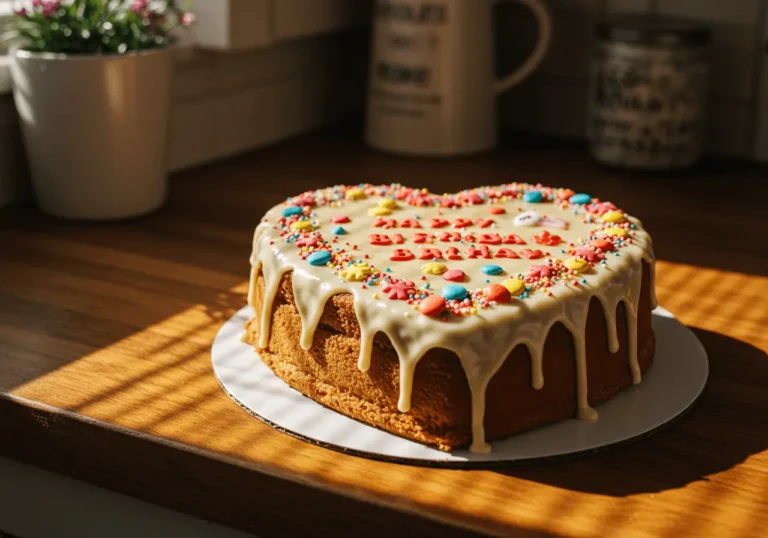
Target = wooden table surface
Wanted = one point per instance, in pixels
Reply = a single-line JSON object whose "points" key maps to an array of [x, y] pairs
{"points": [[105, 373]]}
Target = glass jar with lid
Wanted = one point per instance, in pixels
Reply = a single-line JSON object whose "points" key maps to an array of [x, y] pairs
{"points": [[648, 92]]}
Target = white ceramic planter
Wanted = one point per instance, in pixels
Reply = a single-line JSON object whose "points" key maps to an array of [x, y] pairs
{"points": [[95, 130]]}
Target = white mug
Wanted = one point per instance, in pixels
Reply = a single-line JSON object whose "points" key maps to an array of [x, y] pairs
{"points": [[432, 86]]}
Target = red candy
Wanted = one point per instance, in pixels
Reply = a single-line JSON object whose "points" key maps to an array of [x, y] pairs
{"points": [[400, 290], [498, 293], [565, 194], [454, 275], [496, 210], [434, 305], [541, 271], [546, 238], [602, 244], [340, 219]]}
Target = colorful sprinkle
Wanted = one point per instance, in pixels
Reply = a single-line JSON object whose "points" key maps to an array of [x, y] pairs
{"points": [[339, 230], [454, 275], [491, 269], [533, 197], [433, 268], [515, 286], [434, 305], [340, 219], [321, 257], [455, 292], [497, 293], [615, 231], [580, 199], [302, 226], [292, 211], [577, 264], [613, 216]]}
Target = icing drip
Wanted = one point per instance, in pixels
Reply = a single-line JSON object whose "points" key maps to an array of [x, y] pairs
{"points": [[482, 342]]}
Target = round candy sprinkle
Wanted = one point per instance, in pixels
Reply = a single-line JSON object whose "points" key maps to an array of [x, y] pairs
{"points": [[379, 211], [338, 230], [580, 199], [533, 197], [602, 244], [577, 264], [454, 275], [321, 257], [355, 194], [529, 218], [302, 225], [491, 269], [498, 293], [613, 216], [515, 286], [340, 219], [433, 268], [496, 210], [455, 292], [291, 211], [615, 231], [434, 305], [388, 203]]}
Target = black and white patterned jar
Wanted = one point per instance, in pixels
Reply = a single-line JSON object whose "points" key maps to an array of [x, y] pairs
{"points": [[648, 91]]}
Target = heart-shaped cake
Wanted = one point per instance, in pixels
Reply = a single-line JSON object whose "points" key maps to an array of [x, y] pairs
{"points": [[453, 319]]}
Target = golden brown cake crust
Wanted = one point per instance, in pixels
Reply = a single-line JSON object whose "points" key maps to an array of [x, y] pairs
{"points": [[440, 414]]}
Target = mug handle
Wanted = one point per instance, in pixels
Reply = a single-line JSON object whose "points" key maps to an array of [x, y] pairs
{"points": [[544, 21]]}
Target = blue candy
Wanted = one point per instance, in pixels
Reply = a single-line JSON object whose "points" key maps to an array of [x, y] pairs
{"points": [[491, 269], [321, 257], [291, 211], [580, 199], [533, 197], [338, 230], [454, 292]]}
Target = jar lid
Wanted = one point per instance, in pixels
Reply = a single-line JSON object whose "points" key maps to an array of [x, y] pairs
{"points": [[655, 30]]}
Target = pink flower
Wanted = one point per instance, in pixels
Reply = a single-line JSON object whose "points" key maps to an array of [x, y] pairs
{"points": [[37, 3], [20, 12], [49, 8], [187, 18], [139, 6]]}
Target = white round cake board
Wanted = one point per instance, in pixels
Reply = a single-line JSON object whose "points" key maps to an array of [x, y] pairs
{"points": [[669, 388]]}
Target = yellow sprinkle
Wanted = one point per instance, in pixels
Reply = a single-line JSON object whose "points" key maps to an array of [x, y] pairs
{"points": [[355, 194], [375, 295], [514, 285], [577, 264], [356, 273], [615, 230], [379, 211], [433, 268], [388, 203], [302, 225], [613, 216]]}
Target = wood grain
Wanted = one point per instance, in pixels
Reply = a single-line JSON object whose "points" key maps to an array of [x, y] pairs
{"points": [[105, 371]]}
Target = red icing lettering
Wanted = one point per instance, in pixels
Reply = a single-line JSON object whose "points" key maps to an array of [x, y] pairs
{"points": [[462, 223], [513, 239], [420, 237], [490, 239], [483, 223], [385, 223], [470, 237], [430, 253], [506, 253], [399, 239], [546, 238], [449, 236], [410, 223], [379, 239], [402, 255], [532, 254], [452, 253], [482, 252], [438, 223]]}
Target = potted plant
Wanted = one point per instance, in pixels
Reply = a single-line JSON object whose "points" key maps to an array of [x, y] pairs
{"points": [[92, 85]]}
